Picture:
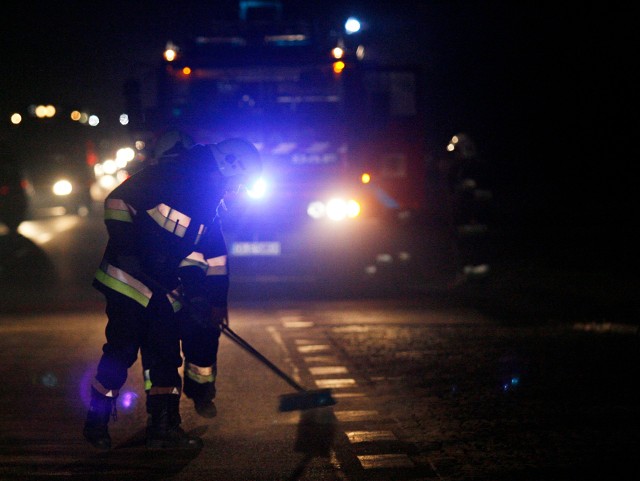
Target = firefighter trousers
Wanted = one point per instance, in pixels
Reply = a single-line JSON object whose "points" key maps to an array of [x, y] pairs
{"points": [[152, 331]]}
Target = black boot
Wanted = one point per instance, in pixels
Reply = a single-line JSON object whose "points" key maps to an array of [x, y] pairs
{"points": [[164, 429], [95, 427], [202, 395]]}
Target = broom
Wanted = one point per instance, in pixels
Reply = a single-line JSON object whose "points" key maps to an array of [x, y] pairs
{"points": [[300, 400]]}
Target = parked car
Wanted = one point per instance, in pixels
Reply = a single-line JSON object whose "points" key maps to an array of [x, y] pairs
{"points": [[58, 185], [13, 190]]}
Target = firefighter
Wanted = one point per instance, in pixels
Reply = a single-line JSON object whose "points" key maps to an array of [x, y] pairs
{"points": [[165, 242]]}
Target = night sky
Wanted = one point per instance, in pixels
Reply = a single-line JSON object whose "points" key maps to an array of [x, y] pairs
{"points": [[544, 88]]}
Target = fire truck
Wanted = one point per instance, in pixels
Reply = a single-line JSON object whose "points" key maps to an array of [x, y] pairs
{"points": [[341, 138]]}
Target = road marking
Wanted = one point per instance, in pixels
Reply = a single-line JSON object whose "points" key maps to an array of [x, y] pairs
{"points": [[320, 359], [346, 416], [297, 324], [326, 370], [368, 436], [335, 383], [606, 327], [348, 394], [313, 348], [377, 461]]}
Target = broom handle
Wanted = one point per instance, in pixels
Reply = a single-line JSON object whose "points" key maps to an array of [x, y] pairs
{"points": [[231, 335], [250, 349]]}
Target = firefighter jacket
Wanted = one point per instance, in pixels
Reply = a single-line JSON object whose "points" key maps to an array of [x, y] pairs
{"points": [[164, 234]]}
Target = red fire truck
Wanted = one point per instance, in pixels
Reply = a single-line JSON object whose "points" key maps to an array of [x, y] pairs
{"points": [[342, 142]]}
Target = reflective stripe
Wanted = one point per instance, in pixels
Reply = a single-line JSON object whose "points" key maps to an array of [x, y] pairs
{"points": [[164, 390], [201, 230], [158, 390], [147, 380], [201, 375], [213, 266], [112, 393], [172, 220], [217, 266], [125, 284], [118, 209], [174, 299], [194, 259]]}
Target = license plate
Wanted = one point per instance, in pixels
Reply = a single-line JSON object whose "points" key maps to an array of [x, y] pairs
{"points": [[240, 249]]}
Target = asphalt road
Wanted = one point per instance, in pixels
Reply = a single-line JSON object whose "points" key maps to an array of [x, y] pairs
{"points": [[524, 378]]}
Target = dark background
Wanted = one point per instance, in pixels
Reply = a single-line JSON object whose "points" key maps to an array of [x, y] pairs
{"points": [[546, 90]]}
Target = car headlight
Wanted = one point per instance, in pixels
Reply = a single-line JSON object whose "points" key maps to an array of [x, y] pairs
{"points": [[62, 187]]}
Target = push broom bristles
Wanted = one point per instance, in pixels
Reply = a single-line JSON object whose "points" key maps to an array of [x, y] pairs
{"points": [[308, 399]]}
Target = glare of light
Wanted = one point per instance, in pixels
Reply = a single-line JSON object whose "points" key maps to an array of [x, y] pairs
{"points": [[43, 233], [75, 115], [124, 119], [49, 111], [121, 176], [258, 189], [338, 66], [98, 170], [316, 210], [169, 55], [365, 178], [127, 400], [121, 162], [336, 209], [84, 118], [352, 25], [109, 166], [360, 52], [140, 144], [170, 51], [337, 52], [62, 187], [451, 147], [41, 111], [16, 118], [126, 153], [186, 71], [107, 182], [93, 120], [353, 209]]}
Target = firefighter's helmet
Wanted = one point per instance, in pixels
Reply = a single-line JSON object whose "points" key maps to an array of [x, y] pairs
{"points": [[237, 157]]}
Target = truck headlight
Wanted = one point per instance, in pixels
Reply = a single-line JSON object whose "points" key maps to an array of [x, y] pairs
{"points": [[335, 209]]}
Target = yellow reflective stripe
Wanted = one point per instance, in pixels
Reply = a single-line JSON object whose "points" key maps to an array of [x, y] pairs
{"points": [[217, 266], [201, 375], [174, 299], [117, 209], [201, 230], [172, 220], [121, 282], [147, 380]]}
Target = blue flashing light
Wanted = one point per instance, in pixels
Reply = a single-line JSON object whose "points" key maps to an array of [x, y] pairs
{"points": [[258, 189]]}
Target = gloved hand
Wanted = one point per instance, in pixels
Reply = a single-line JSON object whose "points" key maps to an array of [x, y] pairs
{"points": [[130, 264]]}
